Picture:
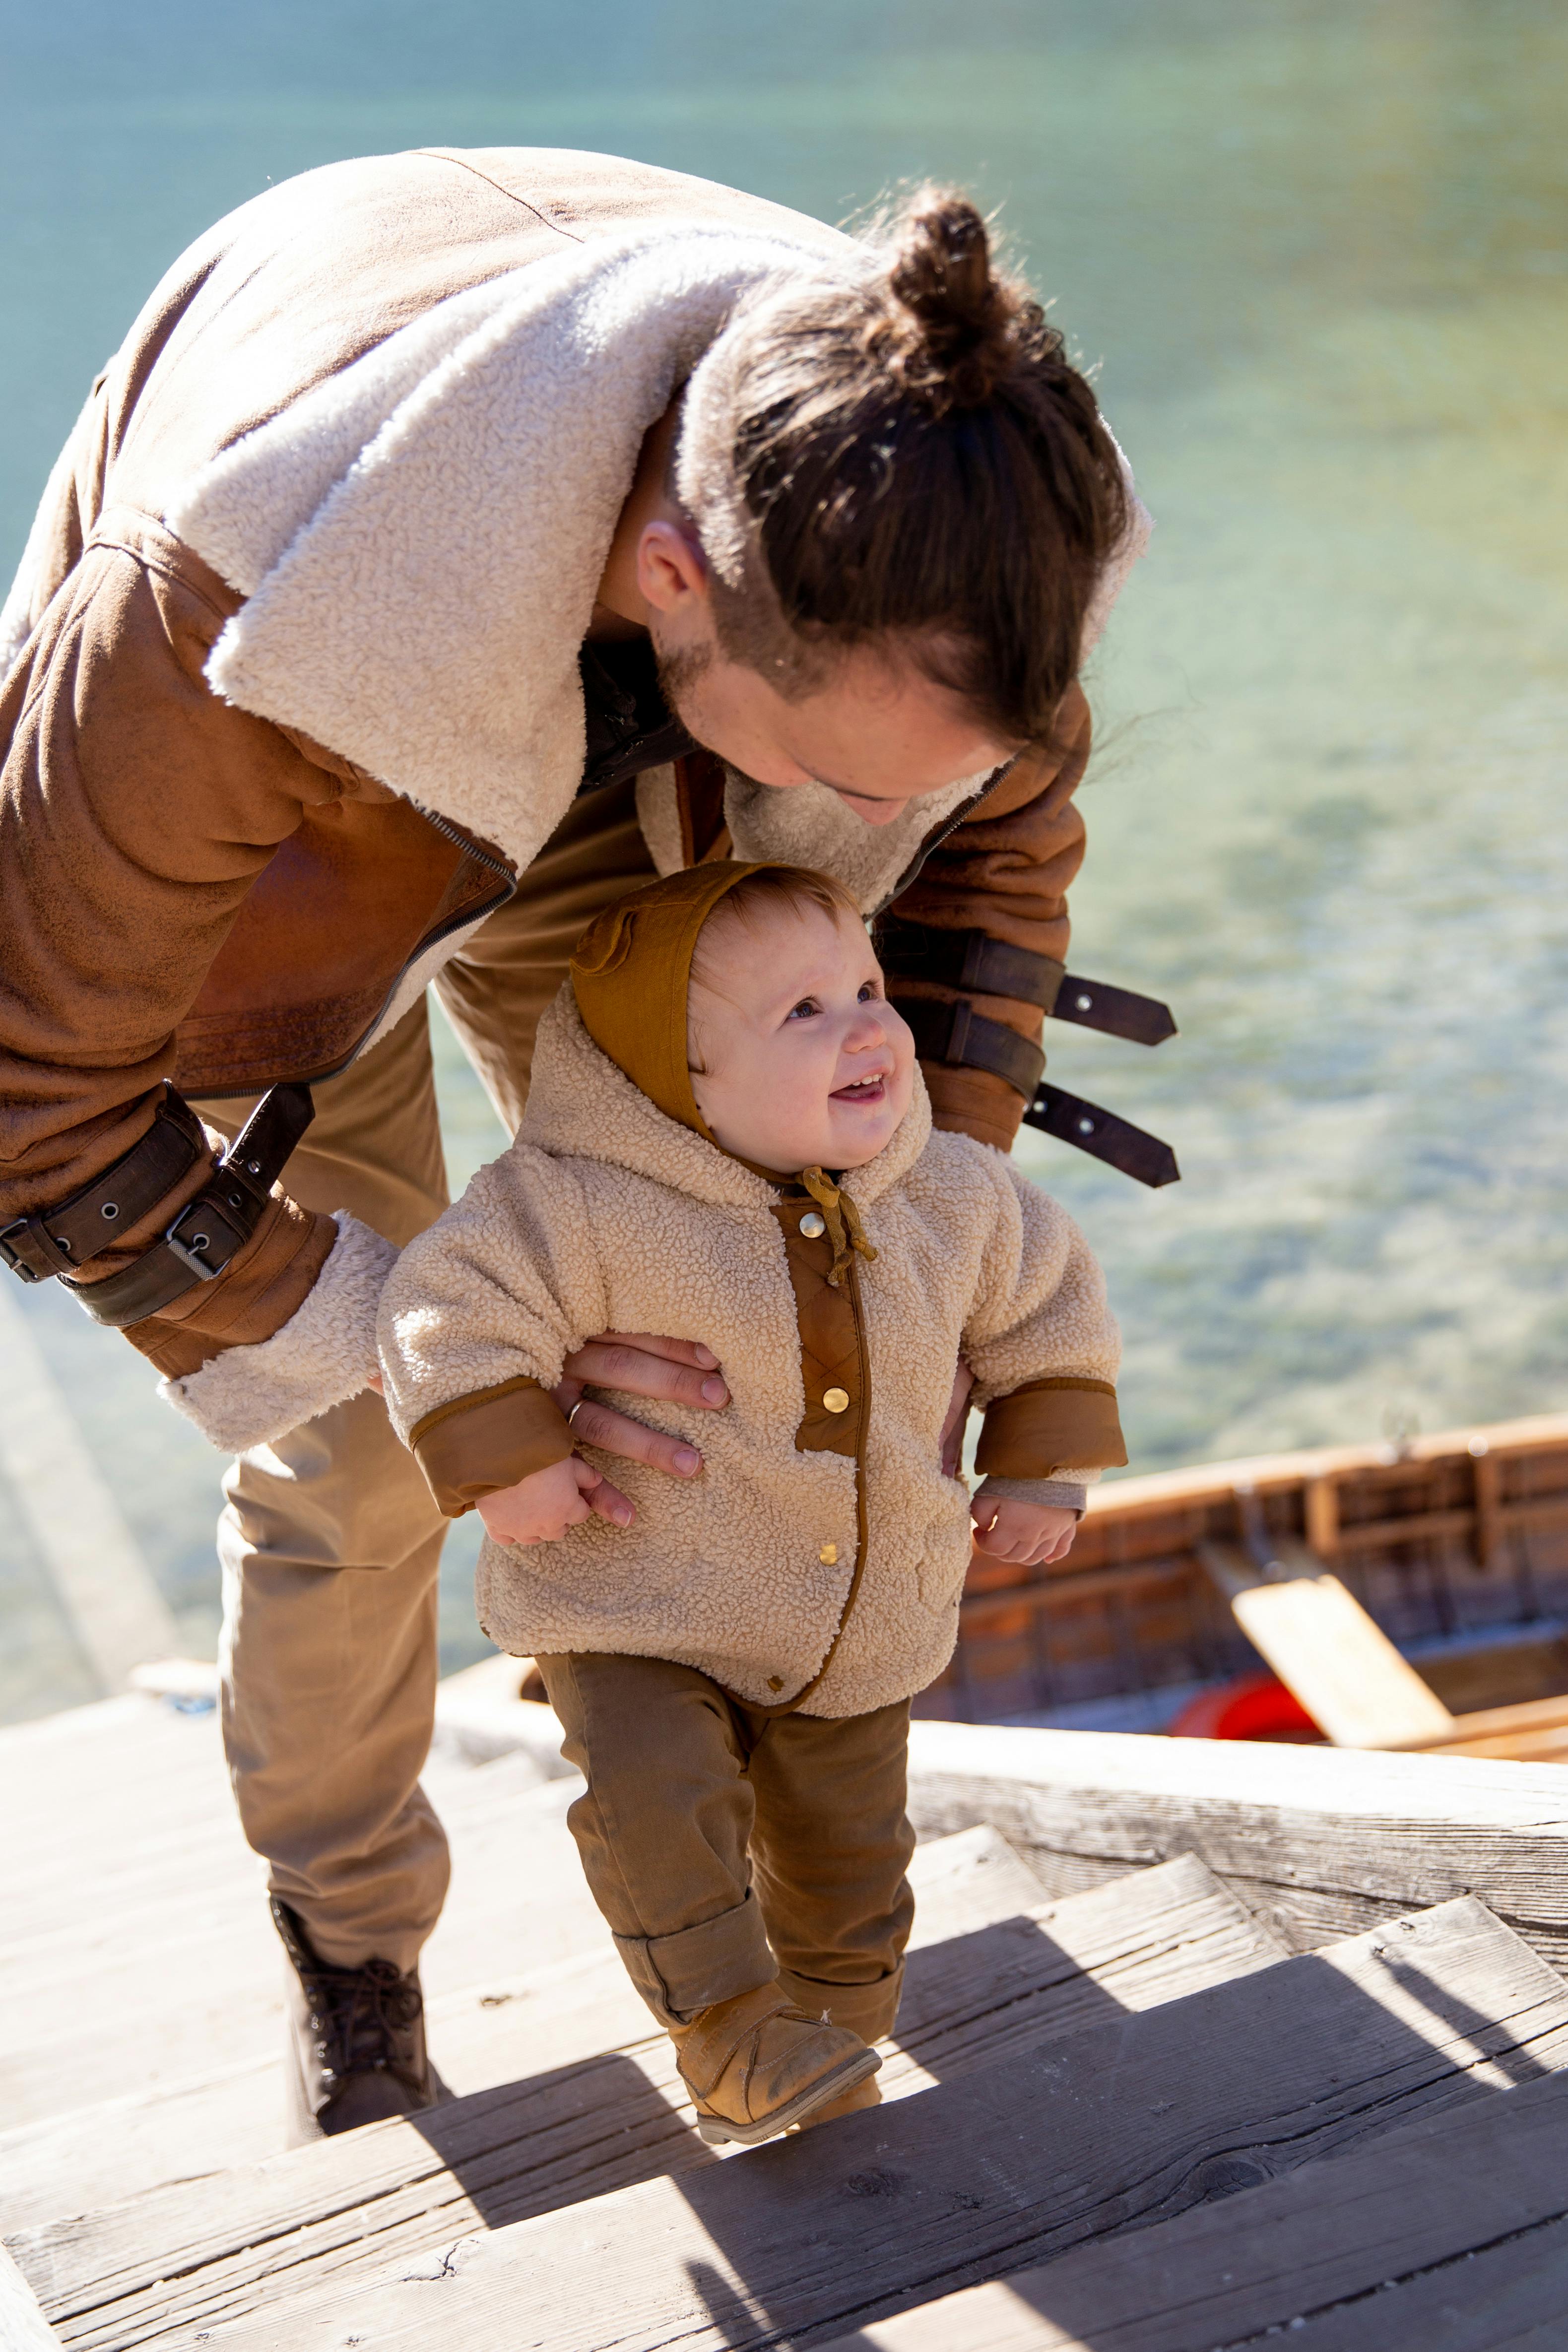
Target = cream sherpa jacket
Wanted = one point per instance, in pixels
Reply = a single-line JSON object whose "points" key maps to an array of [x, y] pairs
{"points": [[774, 1563]]}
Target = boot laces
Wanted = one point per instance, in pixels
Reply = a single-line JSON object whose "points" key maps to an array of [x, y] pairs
{"points": [[356, 2014], [359, 2015]]}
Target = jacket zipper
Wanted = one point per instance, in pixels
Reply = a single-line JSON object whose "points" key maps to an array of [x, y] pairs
{"points": [[939, 833]]}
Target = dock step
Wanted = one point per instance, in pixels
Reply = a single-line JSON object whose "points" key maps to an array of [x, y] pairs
{"points": [[159, 2269], [1108, 2131], [493, 2028], [1452, 2230]]}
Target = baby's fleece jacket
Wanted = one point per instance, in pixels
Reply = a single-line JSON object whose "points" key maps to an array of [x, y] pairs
{"points": [[789, 1573]]}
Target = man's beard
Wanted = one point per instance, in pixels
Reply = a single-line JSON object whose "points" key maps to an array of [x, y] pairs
{"points": [[678, 672]]}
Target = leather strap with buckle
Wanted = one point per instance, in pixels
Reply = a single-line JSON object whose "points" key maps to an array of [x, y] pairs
{"points": [[996, 968], [1089, 1128], [53, 1241], [200, 1240], [956, 1034]]}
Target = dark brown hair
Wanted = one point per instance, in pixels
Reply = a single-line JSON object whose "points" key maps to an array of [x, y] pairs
{"points": [[922, 463]]}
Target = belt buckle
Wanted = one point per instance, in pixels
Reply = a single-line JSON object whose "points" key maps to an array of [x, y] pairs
{"points": [[39, 1234]]}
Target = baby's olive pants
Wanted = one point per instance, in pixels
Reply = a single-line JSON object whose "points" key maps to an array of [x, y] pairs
{"points": [[726, 1846]]}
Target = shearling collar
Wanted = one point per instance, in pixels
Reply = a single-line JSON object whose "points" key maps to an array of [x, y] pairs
{"points": [[581, 1106], [420, 537]]}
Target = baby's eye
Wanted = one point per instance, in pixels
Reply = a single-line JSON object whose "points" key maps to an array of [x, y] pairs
{"points": [[869, 993], [804, 1011]]}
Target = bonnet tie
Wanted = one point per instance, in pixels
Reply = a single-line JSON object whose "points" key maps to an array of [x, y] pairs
{"points": [[842, 1218]]}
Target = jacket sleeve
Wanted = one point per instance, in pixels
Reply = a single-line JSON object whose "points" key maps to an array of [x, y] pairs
{"points": [[136, 810], [477, 1321], [1043, 1344], [1004, 872]]}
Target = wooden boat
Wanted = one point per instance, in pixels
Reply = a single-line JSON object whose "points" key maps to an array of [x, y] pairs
{"points": [[1455, 1545]]}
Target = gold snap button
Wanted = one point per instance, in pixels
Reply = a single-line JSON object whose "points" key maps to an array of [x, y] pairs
{"points": [[814, 1225], [828, 1555], [773, 1683], [836, 1399]]}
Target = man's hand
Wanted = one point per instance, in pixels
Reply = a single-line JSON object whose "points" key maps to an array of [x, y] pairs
{"points": [[681, 1371], [1031, 1535], [540, 1509]]}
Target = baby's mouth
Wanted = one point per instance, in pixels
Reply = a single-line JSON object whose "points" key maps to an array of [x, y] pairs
{"points": [[862, 1090]]}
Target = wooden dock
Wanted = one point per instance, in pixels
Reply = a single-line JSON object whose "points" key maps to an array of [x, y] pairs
{"points": [[1202, 2043]]}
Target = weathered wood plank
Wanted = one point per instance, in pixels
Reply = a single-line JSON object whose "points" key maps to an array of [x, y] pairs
{"points": [[1450, 2231], [1536, 1727], [1111, 2129], [499, 2030], [1316, 1838], [196, 1984], [23, 2327], [384, 2195]]}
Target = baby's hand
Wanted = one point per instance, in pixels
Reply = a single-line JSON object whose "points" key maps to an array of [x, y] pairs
{"points": [[539, 1508], [1030, 1534]]}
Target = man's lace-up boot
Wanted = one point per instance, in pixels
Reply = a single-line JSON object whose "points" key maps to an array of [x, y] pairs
{"points": [[356, 2041], [756, 2065]]}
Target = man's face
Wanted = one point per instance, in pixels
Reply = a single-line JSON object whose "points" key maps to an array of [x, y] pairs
{"points": [[878, 733]]}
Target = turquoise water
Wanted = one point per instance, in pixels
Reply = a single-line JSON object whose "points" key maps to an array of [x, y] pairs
{"points": [[1319, 254]]}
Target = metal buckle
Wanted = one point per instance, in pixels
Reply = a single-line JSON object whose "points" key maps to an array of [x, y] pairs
{"points": [[38, 1234], [189, 1252]]}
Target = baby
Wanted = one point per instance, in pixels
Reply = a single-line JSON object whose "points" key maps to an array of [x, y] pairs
{"points": [[727, 1140]]}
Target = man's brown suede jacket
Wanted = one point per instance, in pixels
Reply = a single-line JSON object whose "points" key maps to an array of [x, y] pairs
{"points": [[193, 894]]}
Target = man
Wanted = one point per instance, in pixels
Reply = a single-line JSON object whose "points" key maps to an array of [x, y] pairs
{"points": [[457, 540]]}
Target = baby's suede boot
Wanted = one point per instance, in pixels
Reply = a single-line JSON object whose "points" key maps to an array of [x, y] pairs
{"points": [[755, 2064], [853, 2102]]}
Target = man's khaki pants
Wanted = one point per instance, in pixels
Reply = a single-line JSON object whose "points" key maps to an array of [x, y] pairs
{"points": [[329, 1542], [726, 1846]]}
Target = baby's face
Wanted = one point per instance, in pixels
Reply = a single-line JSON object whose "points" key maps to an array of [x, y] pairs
{"points": [[806, 1063]]}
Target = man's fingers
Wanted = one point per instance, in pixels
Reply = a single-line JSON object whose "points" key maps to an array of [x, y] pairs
{"points": [[650, 1343], [617, 1364], [617, 1433]]}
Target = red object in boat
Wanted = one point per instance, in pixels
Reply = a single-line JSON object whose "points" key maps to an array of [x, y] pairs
{"points": [[1257, 1706]]}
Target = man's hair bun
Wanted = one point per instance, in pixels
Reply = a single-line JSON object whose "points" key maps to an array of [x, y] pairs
{"points": [[962, 321], [905, 458]]}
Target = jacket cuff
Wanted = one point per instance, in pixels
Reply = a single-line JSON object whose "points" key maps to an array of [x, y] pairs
{"points": [[479, 1443], [249, 1301], [1049, 1494], [324, 1353], [1051, 1426]]}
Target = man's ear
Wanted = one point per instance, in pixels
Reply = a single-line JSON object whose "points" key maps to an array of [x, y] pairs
{"points": [[673, 570]]}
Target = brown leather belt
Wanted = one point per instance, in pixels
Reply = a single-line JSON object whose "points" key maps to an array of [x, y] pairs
{"points": [[208, 1231], [996, 968], [953, 1033]]}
